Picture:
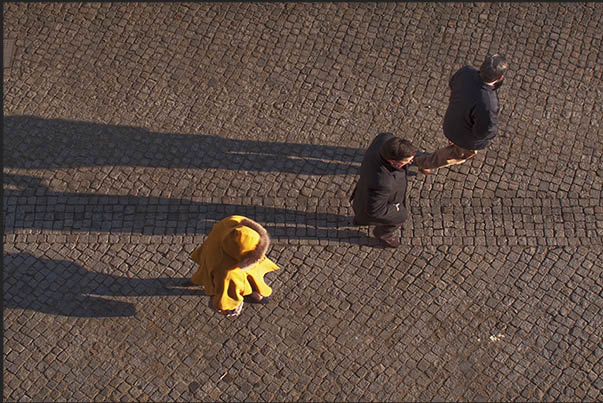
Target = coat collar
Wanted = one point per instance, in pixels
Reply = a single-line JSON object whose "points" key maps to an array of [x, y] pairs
{"points": [[254, 256], [389, 166]]}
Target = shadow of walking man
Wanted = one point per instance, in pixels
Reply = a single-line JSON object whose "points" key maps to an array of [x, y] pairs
{"points": [[92, 212], [33, 142]]}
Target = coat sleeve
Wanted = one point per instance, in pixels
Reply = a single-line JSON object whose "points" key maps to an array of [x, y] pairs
{"points": [[378, 206], [484, 122], [452, 78], [455, 76], [196, 255]]}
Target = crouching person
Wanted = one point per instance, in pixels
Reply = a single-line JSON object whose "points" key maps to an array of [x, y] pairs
{"points": [[232, 264]]}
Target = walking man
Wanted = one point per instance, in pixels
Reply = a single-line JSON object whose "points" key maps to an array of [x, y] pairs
{"points": [[380, 195], [470, 122]]}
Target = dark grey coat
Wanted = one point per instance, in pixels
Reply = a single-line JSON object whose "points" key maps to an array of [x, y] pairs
{"points": [[379, 188], [471, 118]]}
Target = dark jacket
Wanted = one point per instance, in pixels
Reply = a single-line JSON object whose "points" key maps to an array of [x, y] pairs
{"points": [[471, 119], [380, 187]]}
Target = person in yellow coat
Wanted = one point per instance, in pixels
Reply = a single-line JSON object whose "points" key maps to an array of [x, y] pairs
{"points": [[232, 264]]}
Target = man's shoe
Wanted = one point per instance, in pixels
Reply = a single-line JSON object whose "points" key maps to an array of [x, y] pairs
{"points": [[376, 233], [390, 242], [254, 298], [425, 171]]}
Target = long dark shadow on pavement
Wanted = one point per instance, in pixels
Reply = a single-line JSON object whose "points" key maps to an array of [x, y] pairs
{"points": [[61, 287], [35, 143], [91, 212]]}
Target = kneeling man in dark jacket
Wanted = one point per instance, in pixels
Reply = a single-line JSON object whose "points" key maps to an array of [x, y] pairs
{"points": [[380, 195]]}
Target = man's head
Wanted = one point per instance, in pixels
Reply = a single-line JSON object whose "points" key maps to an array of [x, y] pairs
{"points": [[398, 152], [493, 68]]}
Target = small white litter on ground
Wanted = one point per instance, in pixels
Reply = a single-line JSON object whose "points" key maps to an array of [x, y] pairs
{"points": [[497, 337]]}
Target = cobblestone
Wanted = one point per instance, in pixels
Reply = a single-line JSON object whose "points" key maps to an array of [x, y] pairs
{"points": [[129, 129]]}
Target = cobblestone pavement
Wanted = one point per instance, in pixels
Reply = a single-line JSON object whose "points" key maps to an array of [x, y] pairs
{"points": [[130, 128]]}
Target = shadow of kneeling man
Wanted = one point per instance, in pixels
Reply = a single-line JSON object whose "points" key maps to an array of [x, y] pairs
{"points": [[61, 287]]}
